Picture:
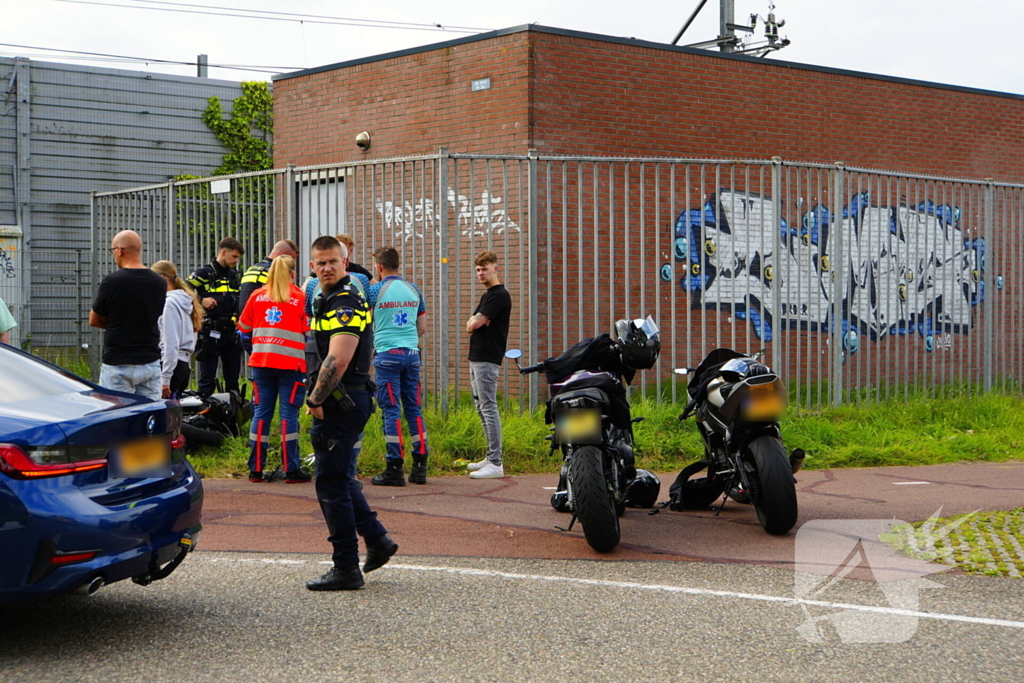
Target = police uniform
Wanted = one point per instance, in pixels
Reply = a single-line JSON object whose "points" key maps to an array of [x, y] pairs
{"points": [[253, 279], [343, 310], [218, 339]]}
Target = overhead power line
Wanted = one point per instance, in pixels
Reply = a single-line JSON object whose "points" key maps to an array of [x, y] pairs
{"points": [[263, 68], [240, 13]]}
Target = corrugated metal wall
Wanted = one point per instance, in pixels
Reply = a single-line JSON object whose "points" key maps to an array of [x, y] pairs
{"points": [[85, 129]]}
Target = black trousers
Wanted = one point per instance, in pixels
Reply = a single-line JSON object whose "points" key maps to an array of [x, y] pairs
{"points": [[346, 511], [226, 351]]}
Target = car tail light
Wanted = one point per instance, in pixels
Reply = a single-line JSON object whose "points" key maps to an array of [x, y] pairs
{"points": [[50, 461], [178, 442], [174, 421]]}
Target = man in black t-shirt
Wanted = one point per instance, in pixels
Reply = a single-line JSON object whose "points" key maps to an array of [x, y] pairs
{"points": [[488, 330], [128, 305]]}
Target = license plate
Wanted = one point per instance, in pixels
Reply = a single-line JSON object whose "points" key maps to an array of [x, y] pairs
{"points": [[763, 406], [579, 426], [144, 457]]}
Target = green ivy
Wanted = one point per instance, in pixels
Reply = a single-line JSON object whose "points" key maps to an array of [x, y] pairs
{"points": [[247, 133]]}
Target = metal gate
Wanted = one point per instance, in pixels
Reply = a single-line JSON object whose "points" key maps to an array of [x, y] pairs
{"points": [[859, 285]]}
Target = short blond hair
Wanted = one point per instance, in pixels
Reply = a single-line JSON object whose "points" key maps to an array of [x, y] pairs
{"points": [[485, 257], [346, 239]]}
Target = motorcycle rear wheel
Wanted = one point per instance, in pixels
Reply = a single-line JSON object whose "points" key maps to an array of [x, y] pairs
{"points": [[592, 501], [774, 494]]}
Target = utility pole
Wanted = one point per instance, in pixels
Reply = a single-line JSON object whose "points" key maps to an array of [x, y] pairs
{"points": [[202, 66], [727, 41], [726, 34]]}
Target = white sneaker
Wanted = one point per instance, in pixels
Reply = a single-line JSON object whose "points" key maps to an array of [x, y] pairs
{"points": [[474, 466], [488, 471]]}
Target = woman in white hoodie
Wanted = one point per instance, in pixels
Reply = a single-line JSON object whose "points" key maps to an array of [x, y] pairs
{"points": [[182, 318]]}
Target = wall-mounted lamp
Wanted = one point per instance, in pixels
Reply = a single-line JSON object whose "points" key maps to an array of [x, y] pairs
{"points": [[363, 141]]}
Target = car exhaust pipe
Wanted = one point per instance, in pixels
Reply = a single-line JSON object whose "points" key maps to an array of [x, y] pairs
{"points": [[796, 459], [90, 587]]}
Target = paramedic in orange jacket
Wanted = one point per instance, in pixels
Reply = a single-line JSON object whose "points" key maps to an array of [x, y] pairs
{"points": [[274, 320]]}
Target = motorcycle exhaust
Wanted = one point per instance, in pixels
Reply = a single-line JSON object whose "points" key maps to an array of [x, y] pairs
{"points": [[796, 459], [90, 587]]}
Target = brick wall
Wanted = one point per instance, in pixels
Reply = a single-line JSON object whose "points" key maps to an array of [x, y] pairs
{"points": [[410, 105], [597, 97]]}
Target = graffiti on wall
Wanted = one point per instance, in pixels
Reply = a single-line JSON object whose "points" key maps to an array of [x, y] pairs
{"points": [[8, 253], [907, 269], [472, 218]]}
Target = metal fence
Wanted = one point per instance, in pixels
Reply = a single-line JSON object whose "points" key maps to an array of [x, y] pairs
{"points": [[859, 285]]}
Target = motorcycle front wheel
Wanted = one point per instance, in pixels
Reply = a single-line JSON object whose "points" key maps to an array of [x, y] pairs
{"points": [[592, 501], [774, 491]]}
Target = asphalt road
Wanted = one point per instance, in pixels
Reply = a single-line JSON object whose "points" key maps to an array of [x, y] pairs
{"points": [[230, 616]]}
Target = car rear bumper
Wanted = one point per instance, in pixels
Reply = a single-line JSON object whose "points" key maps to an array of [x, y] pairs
{"points": [[132, 538]]}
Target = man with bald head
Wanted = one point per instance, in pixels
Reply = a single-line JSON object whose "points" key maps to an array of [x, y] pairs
{"points": [[128, 305], [256, 276]]}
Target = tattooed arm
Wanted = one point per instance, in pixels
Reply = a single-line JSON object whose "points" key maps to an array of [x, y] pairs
{"points": [[339, 355], [476, 321]]}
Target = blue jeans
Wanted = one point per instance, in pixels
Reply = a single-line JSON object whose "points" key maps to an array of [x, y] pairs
{"points": [[398, 379], [143, 380], [270, 386], [341, 500]]}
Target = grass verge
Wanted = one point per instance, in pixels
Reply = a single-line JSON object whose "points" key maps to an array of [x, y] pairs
{"points": [[919, 431]]}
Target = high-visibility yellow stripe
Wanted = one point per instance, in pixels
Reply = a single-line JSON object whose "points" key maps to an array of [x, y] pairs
{"points": [[259, 277], [221, 289]]}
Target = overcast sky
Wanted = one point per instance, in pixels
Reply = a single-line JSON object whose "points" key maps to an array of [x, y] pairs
{"points": [[959, 42]]}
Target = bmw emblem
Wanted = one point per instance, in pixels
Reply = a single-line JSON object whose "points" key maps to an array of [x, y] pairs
{"points": [[151, 424]]}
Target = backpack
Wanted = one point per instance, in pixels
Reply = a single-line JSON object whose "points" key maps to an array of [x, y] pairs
{"points": [[694, 494]]}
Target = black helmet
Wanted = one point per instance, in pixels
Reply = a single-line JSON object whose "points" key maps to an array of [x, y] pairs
{"points": [[644, 491], [639, 351]]}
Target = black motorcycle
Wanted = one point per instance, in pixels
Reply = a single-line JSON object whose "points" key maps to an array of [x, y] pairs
{"points": [[592, 425], [737, 401]]}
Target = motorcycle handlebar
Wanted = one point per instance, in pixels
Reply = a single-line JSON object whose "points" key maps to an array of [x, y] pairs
{"points": [[531, 368]]}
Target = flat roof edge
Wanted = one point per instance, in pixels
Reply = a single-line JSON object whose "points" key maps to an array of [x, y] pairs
{"points": [[537, 28]]}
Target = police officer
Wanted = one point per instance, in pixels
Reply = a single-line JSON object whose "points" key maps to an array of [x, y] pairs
{"points": [[217, 286], [340, 404], [256, 276]]}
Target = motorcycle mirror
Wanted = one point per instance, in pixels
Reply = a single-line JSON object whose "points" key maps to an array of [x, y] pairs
{"points": [[513, 354], [681, 371]]}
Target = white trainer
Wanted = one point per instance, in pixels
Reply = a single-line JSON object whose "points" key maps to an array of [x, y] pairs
{"points": [[488, 471], [474, 466]]}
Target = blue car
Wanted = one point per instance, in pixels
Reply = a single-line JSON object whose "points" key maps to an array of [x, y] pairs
{"points": [[94, 484]]}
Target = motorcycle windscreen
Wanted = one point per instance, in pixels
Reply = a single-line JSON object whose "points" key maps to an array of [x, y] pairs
{"points": [[581, 426]]}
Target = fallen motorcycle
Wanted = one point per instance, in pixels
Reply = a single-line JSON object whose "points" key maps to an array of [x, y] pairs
{"points": [[593, 426], [737, 401], [205, 422]]}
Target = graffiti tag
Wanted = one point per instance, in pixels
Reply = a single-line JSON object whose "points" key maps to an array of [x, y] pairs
{"points": [[414, 219]]}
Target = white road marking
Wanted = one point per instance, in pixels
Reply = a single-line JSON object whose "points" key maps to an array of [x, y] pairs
{"points": [[909, 483], [722, 594], [938, 616]]}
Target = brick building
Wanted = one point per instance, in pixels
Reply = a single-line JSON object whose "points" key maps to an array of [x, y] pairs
{"points": [[566, 92], [587, 240]]}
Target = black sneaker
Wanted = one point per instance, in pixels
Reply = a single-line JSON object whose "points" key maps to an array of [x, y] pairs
{"points": [[338, 579], [255, 476], [299, 476], [379, 552]]}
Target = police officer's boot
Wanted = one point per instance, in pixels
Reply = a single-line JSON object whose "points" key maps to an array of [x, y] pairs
{"points": [[391, 476], [418, 473]]}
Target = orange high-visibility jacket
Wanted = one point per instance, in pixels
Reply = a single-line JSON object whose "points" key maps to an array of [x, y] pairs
{"points": [[278, 330]]}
